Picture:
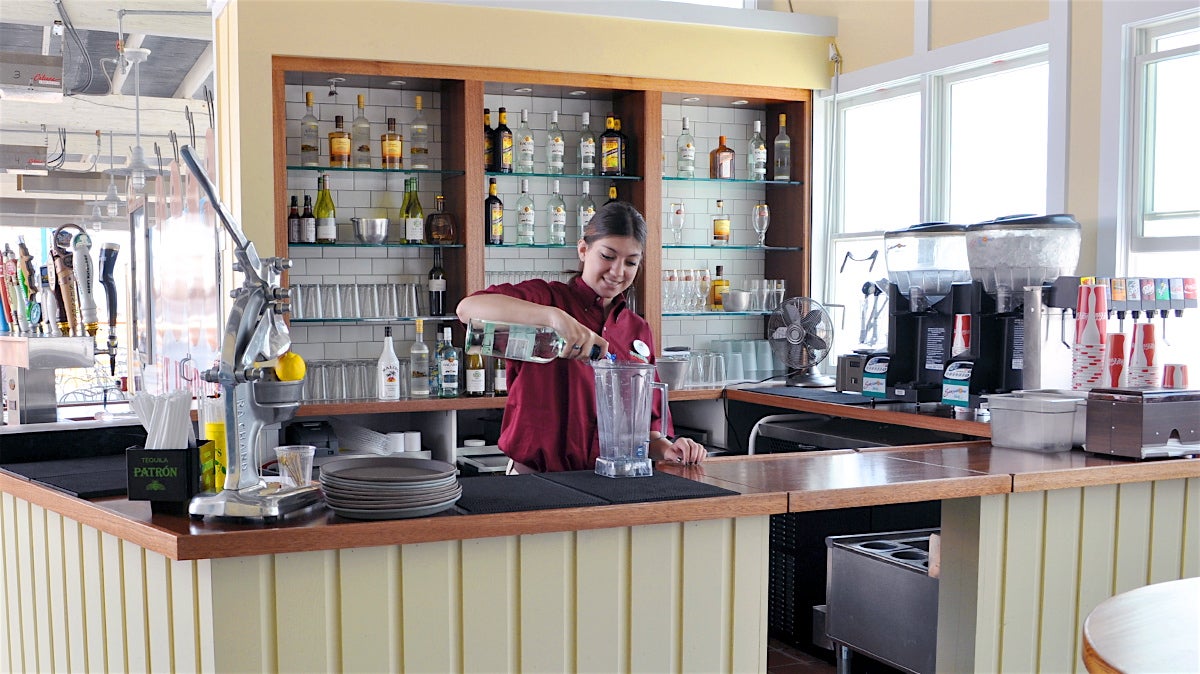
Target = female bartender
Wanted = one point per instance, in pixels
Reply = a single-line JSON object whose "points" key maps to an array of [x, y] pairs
{"points": [[550, 417]]}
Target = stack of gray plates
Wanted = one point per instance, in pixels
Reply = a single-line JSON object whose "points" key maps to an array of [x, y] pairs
{"points": [[388, 487]]}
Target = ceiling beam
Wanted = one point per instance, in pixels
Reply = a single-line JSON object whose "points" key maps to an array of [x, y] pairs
{"points": [[134, 41], [201, 69], [159, 115], [98, 15]]}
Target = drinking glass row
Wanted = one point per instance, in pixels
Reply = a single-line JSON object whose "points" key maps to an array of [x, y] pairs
{"points": [[329, 381], [688, 290], [356, 300]]}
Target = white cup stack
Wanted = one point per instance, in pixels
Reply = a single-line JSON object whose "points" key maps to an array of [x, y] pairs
{"points": [[1087, 354], [1144, 369]]}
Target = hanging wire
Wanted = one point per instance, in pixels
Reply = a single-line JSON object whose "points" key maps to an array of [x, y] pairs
{"points": [[87, 58]]}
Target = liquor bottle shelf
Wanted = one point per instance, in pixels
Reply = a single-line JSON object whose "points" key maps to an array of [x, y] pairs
{"points": [[351, 169], [700, 246], [386, 244], [380, 320], [732, 180], [713, 314], [531, 245], [515, 174]]}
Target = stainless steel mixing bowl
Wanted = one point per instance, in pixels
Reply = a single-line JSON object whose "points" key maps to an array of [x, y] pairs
{"points": [[370, 230]]}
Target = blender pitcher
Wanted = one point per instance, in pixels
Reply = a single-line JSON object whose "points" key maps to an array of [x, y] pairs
{"points": [[624, 397]]}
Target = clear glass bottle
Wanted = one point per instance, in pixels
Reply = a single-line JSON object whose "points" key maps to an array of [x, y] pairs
{"points": [[556, 217], [526, 216], [388, 369], [783, 152], [448, 361], [418, 141], [525, 145], [587, 147], [493, 211], [440, 227], [720, 226], [555, 146], [391, 146], [502, 145], [360, 136], [475, 384], [412, 214], [310, 135], [610, 149], [488, 155], [685, 152], [308, 222], [293, 220], [325, 213], [586, 209], [624, 143], [418, 363], [720, 161], [437, 285], [500, 376], [756, 154], [339, 144], [515, 341]]}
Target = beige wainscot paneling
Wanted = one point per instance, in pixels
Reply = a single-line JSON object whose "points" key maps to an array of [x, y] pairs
{"points": [[1027, 568]]}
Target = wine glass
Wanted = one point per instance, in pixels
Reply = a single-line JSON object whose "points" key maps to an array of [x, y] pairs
{"points": [[676, 219], [761, 219], [703, 285]]}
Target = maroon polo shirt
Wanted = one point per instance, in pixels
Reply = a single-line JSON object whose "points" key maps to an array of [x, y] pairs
{"points": [[550, 417]]}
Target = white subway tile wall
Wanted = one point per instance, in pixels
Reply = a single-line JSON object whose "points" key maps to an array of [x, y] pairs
{"points": [[374, 195]]}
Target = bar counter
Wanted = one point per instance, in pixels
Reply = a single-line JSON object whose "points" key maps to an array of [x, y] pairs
{"points": [[666, 586]]}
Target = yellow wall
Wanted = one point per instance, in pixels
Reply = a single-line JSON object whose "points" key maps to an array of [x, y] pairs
{"points": [[954, 21], [249, 32], [870, 32], [1083, 125]]}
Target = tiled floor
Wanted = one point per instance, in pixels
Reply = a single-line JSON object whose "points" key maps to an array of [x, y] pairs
{"points": [[783, 659]]}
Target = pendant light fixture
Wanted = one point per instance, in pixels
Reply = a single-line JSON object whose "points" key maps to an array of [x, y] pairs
{"points": [[112, 200], [137, 169]]}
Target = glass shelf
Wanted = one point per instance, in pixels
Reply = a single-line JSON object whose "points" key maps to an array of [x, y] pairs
{"points": [[386, 319], [376, 170], [733, 180], [495, 174], [699, 246], [390, 244], [531, 245], [713, 314]]}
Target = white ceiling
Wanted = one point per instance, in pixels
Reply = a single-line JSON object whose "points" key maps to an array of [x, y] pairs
{"points": [[173, 83]]}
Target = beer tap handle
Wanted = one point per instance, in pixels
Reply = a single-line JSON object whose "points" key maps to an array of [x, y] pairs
{"points": [[66, 285], [108, 262], [60, 307], [84, 278], [49, 301]]}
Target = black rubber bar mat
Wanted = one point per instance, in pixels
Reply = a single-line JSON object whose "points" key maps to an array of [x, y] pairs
{"points": [[89, 485], [815, 394], [656, 487], [36, 470], [513, 493]]}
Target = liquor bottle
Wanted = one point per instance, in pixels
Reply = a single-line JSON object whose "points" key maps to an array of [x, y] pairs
{"points": [[418, 364], [500, 377], [586, 209], [448, 361], [756, 155], [391, 146], [388, 370], [440, 227], [515, 341], [493, 210], [339, 144], [293, 221], [720, 161], [685, 152], [610, 149], [526, 216], [310, 143], [624, 142], [612, 194], [418, 142], [587, 147], [555, 146], [502, 145], [556, 214], [720, 222], [325, 213], [412, 213], [719, 285], [488, 155], [308, 222], [437, 285], [525, 146], [360, 136], [476, 379], [783, 151]]}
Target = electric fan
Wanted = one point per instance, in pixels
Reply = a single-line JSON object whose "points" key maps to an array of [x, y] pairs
{"points": [[801, 334]]}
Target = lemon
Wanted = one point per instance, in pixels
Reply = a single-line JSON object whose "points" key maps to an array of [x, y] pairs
{"points": [[290, 367]]}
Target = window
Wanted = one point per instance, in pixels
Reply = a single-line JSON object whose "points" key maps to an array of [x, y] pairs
{"points": [[962, 145], [1164, 164]]}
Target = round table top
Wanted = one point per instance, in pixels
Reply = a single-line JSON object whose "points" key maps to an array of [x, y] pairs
{"points": [[1152, 629]]}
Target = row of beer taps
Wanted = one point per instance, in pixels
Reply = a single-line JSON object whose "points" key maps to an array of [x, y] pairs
{"points": [[57, 299]]}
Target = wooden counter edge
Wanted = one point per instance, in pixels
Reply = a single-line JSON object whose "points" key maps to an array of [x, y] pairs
{"points": [[1090, 476], [901, 492], [977, 429]]}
